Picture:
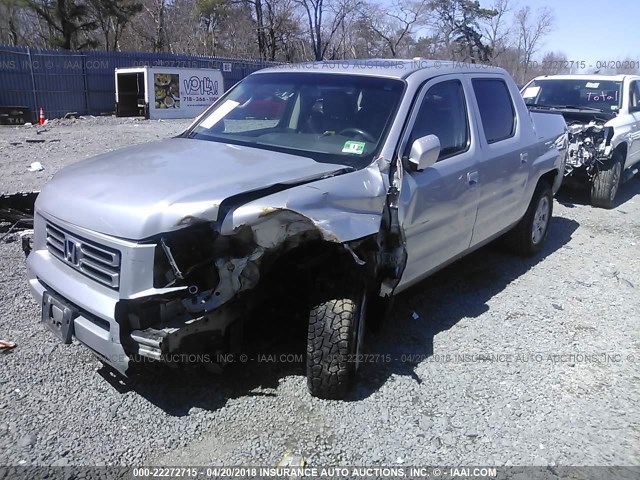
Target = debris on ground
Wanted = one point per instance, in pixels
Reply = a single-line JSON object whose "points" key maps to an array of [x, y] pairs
{"points": [[36, 166], [6, 345], [291, 460]]}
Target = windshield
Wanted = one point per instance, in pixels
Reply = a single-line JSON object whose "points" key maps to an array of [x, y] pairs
{"points": [[330, 118], [603, 95]]}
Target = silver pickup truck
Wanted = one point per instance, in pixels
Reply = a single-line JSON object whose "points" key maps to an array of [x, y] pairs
{"points": [[603, 117], [330, 186]]}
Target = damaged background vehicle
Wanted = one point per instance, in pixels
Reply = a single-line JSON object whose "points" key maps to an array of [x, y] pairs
{"points": [[362, 182], [603, 115]]}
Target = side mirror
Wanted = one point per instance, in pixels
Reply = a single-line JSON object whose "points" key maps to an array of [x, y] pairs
{"points": [[424, 152]]}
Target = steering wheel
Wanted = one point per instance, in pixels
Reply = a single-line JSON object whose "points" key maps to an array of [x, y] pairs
{"points": [[358, 131]]}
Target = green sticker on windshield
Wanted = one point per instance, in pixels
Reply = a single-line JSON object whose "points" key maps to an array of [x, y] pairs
{"points": [[353, 147]]}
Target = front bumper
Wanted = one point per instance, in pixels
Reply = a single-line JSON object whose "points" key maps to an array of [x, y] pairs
{"points": [[88, 329], [96, 326]]}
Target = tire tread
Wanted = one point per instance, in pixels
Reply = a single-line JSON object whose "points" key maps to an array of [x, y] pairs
{"points": [[329, 375], [518, 239], [602, 185]]}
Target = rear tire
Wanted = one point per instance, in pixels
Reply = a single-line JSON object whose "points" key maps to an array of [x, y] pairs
{"points": [[528, 236], [334, 341], [606, 183]]}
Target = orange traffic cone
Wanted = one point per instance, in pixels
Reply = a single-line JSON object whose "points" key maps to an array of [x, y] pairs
{"points": [[41, 120]]}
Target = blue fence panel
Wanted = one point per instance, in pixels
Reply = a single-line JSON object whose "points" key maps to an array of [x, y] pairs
{"points": [[16, 87], [83, 82]]}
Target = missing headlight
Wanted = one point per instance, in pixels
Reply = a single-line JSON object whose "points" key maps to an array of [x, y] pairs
{"points": [[186, 257]]}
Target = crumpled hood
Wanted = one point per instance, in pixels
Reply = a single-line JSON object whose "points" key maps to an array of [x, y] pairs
{"points": [[140, 191]]}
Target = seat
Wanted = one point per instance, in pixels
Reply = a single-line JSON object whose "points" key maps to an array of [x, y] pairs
{"points": [[375, 110], [337, 110], [310, 112]]}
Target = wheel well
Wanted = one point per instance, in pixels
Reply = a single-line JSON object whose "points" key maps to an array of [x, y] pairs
{"points": [[549, 177], [295, 272], [319, 257], [620, 149]]}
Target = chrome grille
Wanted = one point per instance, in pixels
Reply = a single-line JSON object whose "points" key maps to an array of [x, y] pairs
{"points": [[97, 262]]}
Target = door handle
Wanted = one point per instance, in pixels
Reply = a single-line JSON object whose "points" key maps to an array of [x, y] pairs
{"points": [[524, 157], [473, 178]]}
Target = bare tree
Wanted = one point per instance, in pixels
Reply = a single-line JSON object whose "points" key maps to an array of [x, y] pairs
{"points": [[497, 30], [10, 21], [324, 18], [459, 26], [553, 63], [153, 25], [159, 15], [343, 43], [273, 23], [112, 17], [69, 22], [532, 27], [396, 23]]}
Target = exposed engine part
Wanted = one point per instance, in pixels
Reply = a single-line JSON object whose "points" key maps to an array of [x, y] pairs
{"points": [[172, 261], [200, 271], [589, 144]]}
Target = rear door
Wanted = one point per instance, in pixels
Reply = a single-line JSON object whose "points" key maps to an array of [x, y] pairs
{"points": [[438, 205], [505, 163]]}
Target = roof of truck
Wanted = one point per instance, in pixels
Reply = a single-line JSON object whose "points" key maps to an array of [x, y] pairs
{"points": [[391, 68]]}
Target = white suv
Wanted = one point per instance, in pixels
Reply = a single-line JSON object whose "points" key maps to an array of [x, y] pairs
{"points": [[603, 115]]}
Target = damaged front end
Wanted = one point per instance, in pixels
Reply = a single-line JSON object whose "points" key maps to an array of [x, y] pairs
{"points": [[589, 147], [208, 278], [185, 275], [194, 287]]}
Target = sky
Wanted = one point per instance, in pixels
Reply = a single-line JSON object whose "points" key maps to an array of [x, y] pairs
{"points": [[591, 30]]}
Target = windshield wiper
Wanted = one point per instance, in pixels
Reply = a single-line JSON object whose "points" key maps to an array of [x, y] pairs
{"points": [[539, 105], [581, 107]]}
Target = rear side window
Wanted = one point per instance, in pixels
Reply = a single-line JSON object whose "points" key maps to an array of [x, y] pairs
{"points": [[496, 108]]}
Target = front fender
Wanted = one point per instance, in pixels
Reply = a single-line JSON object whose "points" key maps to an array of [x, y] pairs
{"points": [[342, 208]]}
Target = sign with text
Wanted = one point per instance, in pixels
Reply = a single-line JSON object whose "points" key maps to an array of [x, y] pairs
{"points": [[169, 92]]}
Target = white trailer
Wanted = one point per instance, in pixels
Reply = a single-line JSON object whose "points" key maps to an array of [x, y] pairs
{"points": [[159, 92]]}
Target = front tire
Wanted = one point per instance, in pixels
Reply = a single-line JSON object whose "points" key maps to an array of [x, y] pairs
{"points": [[334, 342], [528, 236], [606, 183]]}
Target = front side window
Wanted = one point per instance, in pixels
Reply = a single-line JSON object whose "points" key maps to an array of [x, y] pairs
{"points": [[443, 113], [496, 108], [338, 119], [634, 97]]}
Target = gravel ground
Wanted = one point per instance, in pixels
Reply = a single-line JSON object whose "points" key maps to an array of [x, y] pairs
{"points": [[495, 360], [62, 141]]}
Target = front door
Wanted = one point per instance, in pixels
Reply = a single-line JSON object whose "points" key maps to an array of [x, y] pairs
{"points": [[438, 205]]}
